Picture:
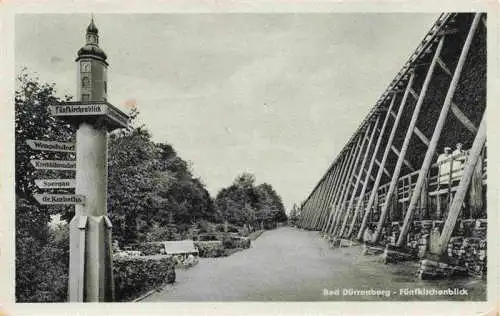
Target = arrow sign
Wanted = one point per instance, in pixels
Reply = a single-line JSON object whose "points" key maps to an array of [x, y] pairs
{"points": [[51, 146], [54, 164], [55, 183], [59, 199]]}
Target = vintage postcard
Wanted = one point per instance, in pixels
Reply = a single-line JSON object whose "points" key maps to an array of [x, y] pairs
{"points": [[252, 158]]}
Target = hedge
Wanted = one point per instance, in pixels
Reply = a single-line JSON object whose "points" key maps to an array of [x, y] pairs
{"points": [[210, 249], [149, 249], [135, 276]]}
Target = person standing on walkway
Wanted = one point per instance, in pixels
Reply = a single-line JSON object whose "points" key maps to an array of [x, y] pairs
{"points": [[458, 162], [444, 168]]}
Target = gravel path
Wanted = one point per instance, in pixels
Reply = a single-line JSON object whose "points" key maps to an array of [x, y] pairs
{"points": [[288, 264]]}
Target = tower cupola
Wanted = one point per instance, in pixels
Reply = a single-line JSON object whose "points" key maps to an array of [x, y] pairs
{"points": [[91, 47], [92, 67]]}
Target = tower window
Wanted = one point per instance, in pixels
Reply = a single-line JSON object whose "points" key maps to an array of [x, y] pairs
{"points": [[85, 82]]}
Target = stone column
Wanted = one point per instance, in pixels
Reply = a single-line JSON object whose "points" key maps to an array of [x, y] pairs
{"points": [[90, 229]]}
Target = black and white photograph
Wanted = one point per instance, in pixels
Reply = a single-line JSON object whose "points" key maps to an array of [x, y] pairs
{"points": [[252, 157]]}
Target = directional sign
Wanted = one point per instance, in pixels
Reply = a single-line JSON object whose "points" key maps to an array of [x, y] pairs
{"points": [[54, 164], [59, 199], [78, 109], [91, 112], [51, 146], [55, 183]]}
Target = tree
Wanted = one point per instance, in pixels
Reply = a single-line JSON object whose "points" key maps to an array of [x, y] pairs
{"points": [[37, 258], [244, 203], [148, 184], [294, 214]]}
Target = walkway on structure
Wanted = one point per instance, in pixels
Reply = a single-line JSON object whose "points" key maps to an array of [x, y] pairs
{"points": [[288, 264]]}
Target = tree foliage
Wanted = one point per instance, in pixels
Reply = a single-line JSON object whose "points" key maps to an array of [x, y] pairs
{"points": [[40, 258], [149, 184], [243, 202]]}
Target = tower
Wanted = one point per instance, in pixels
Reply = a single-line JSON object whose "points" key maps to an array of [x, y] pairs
{"points": [[92, 68], [91, 262]]}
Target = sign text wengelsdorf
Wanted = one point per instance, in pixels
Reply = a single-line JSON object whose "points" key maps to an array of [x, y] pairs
{"points": [[51, 146]]}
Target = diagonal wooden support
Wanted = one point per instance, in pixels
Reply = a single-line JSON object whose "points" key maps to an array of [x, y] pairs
{"points": [[338, 171], [384, 158], [417, 131], [406, 142], [352, 174], [319, 199], [406, 162], [456, 205], [346, 185], [463, 118], [444, 67], [359, 203], [339, 175], [326, 200], [347, 158], [358, 181], [421, 136], [429, 155], [384, 169], [414, 94]]}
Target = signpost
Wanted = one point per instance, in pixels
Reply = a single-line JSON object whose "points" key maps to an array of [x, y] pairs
{"points": [[90, 258], [55, 183], [54, 164], [51, 146], [59, 199]]}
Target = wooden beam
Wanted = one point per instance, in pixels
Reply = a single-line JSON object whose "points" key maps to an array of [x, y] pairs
{"points": [[421, 136], [365, 172], [458, 200], [406, 162], [418, 132], [384, 157], [463, 118], [328, 199], [359, 203], [346, 187], [414, 94], [338, 170], [406, 143], [338, 187], [358, 181], [429, 155], [448, 31], [444, 67], [385, 170], [321, 199]]}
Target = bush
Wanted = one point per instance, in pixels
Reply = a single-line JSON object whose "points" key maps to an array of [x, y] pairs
{"points": [[229, 242], [244, 243], [135, 276], [149, 249], [42, 266], [210, 249]]}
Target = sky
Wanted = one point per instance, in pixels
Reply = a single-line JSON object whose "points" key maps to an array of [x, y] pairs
{"points": [[276, 95]]}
